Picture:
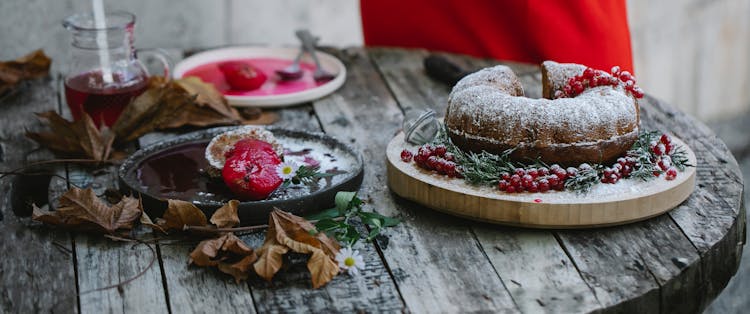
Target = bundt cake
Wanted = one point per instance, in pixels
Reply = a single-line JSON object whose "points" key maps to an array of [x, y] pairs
{"points": [[487, 111]]}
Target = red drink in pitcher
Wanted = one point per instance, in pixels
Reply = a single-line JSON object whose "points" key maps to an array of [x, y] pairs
{"points": [[103, 105], [104, 74]]}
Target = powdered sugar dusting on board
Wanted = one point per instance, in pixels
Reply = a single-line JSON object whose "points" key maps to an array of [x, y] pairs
{"points": [[483, 105]]}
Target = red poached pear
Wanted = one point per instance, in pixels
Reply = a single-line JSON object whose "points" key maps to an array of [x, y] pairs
{"points": [[242, 76], [250, 170]]}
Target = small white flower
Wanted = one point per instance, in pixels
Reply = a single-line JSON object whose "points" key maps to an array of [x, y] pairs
{"points": [[287, 170], [350, 260]]}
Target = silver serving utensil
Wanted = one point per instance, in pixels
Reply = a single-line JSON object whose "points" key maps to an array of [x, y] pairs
{"points": [[308, 42], [292, 71]]}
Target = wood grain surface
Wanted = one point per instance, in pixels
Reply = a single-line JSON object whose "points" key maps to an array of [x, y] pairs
{"points": [[431, 262]]}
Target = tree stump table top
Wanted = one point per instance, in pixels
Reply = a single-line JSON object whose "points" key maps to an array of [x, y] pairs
{"points": [[431, 262]]}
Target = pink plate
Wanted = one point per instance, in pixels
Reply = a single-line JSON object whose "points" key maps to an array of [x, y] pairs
{"points": [[274, 92]]}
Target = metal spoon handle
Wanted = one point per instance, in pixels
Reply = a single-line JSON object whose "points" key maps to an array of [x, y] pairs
{"points": [[308, 42]]}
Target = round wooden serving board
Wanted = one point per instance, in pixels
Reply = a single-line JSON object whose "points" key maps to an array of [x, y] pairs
{"points": [[627, 201]]}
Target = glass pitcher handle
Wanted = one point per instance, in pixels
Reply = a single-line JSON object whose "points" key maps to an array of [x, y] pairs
{"points": [[162, 56]]}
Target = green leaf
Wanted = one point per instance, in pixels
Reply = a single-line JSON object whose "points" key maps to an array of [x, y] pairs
{"points": [[373, 233], [385, 220], [343, 200], [327, 225], [325, 214]]}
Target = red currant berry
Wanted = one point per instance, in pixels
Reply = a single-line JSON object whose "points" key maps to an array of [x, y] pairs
{"points": [[543, 171], [553, 180], [578, 88], [568, 90], [614, 178], [622, 161], [560, 173], [432, 162], [571, 172], [505, 176], [626, 170], [588, 73], [664, 163], [406, 155], [616, 70], [515, 180], [449, 157], [625, 76], [533, 187], [520, 172], [671, 174], [533, 172], [543, 185], [584, 167], [503, 185], [658, 149], [527, 180], [510, 189], [440, 150]]}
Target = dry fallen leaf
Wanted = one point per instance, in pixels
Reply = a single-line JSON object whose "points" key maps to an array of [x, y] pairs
{"points": [[228, 253], [183, 102], [287, 231], [83, 210], [80, 137], [180, 213], [226, 216], [33, 65]]}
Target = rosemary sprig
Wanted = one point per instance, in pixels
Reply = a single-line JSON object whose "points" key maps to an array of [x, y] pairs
{"points": [[486, 169], [307, 175]]}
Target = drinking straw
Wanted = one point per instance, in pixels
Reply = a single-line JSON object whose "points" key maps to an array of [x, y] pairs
{"points": [[101, 40]]}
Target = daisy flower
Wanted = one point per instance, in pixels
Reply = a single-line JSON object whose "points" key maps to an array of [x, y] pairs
{"points": [[287, 170], [350, 260]]}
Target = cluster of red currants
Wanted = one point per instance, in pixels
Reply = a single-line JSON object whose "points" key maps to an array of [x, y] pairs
{"points": [[662, 149], [436, 158], [621, 169], [536, 179], [592, 78]]}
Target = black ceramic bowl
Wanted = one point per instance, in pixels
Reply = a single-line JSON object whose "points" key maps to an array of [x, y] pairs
{"points": [[175, 169]]}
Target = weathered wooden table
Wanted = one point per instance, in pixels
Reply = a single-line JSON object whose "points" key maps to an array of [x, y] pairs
{"points": [[677, 262]]}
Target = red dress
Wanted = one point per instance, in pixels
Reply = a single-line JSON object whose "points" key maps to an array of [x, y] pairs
{"points": [[590, 32]]}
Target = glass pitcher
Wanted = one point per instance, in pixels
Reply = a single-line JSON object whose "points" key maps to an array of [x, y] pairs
{"points": [[103, 72]]}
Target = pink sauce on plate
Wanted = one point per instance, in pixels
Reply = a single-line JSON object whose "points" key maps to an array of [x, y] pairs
{"points": [[210, 73]]}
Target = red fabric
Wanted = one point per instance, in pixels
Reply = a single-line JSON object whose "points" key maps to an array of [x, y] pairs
{"points": [[590, 32]]}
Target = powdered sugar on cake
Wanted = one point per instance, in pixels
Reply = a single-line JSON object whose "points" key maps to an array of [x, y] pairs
{"points": [[487, 105]]}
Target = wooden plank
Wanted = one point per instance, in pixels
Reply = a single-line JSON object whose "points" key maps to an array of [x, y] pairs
{"points": [[715, 220], [102, 262], [291, 288], [200, 290], [536, 270], [542, 276], [36, 274], [428, 252]]}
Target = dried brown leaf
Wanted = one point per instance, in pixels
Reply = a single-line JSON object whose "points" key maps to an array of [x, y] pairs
{"points": [[208, 96], [226, 216], [270, 258], [240, 270], [228, 252], [83, 210], [33, 65], [80, 137], [289, 231], [180, 213], [146, 221]]}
